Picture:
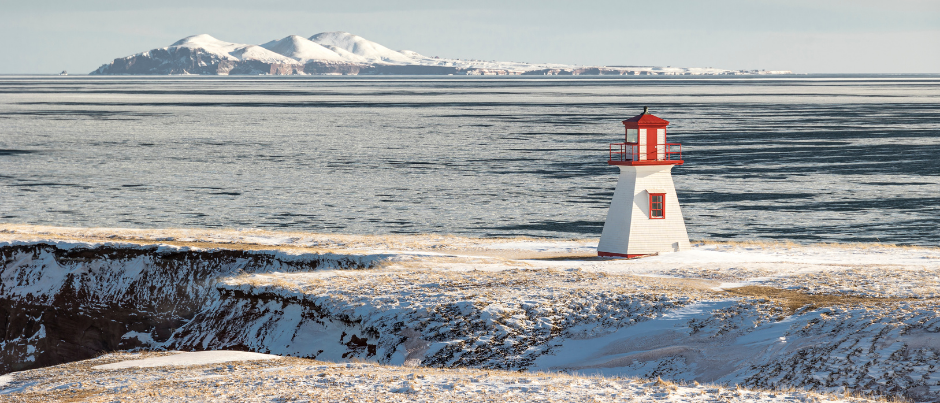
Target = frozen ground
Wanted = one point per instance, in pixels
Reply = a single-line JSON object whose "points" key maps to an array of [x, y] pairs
{"points": [[112, 377], [825, 318]]}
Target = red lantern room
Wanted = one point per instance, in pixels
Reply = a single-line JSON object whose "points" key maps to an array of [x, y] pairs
{"points": [[645, 143]]}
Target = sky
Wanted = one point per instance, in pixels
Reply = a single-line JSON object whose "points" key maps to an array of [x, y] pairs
{"points": [[805, 36]]}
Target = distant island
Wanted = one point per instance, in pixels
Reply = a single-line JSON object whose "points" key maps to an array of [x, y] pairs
{"points": [[342, 53]]}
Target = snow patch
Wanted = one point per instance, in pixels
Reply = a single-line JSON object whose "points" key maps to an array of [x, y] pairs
{"points": [[145, 338], [547, 246], [4, 381], [189, 359]]}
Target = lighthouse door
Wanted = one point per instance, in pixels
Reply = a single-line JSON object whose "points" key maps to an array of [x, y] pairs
{"points": [[651, 144], [641, 146]]}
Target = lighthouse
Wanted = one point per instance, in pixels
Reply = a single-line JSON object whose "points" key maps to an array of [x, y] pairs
{"points": [[644, 216]]}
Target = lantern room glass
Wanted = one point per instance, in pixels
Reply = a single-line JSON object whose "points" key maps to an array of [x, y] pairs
{"points": [[631, 135]]}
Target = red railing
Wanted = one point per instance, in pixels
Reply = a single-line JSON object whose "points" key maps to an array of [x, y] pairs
{"points": [[631, 152]]}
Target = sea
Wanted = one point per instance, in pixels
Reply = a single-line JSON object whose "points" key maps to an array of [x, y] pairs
{"points": [[802, 158]]}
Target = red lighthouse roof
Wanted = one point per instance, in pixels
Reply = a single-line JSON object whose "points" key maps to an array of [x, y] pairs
{"points": [[645, 143], [646, 118]]}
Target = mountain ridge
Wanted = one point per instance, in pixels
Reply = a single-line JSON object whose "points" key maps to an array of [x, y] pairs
{"points": [[343, 53], [302, 49]]}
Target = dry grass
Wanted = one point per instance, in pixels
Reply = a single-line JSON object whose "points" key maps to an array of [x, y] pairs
{"points": [[300, 242], [298, 379], [511, 254], [667, 385], [506, 284], [788, 244], [330, 243], [793, 300], [64, 396], [149, 237]]}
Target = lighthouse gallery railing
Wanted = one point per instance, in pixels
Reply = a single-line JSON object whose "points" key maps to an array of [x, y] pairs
{"points": [[631, 152]]}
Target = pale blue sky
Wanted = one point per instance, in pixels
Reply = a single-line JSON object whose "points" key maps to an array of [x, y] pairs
{"points": [[806, 36]]}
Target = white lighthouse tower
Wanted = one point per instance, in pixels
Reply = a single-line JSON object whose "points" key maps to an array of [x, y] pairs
{"points": [[644, 216]]}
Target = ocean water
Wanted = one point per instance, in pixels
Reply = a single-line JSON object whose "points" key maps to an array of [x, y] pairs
{"points": [[805, 158]]}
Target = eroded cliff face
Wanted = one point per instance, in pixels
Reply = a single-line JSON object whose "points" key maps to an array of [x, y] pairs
{"points": [[66, 302], [60, 303]]}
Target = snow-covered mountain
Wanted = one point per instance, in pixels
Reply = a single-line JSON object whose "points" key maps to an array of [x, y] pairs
{"points": [[344, 53], [365, 49], [232, 51], [304, 50]]}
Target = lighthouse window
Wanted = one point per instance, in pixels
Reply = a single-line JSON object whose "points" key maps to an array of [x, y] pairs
{"points": [[631, 135], [657, 205]]}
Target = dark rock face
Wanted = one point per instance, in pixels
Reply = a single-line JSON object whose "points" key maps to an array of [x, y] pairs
{"points": [[588, 71], [168, 61], [411, 70], [349, 69], [61, 305], [180, 60], [67, 329], [258, 321]]}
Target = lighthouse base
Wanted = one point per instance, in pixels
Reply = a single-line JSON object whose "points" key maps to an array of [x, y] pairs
{"points": [[630, 230], [608, 254]]}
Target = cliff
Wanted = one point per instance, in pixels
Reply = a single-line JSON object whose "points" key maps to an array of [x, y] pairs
{"points": [[808, 318]]}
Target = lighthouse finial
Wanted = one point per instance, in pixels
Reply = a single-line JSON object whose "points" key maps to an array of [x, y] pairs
{"points": [[646, 110]]}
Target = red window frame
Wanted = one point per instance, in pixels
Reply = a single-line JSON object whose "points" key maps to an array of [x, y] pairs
{"points": [[661, 204]]}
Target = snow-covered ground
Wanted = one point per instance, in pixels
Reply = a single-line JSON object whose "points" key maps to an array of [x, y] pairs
{"points": [[859, 269], [188, 359], [243, 377], [828, 318]]}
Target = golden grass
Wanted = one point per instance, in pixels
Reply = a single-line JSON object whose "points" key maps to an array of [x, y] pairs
{"points": [[64, 396], [236, 239], [448, 242], [667, 385], [788, 244], [793, 300], [289, 379], [504, 284]]}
